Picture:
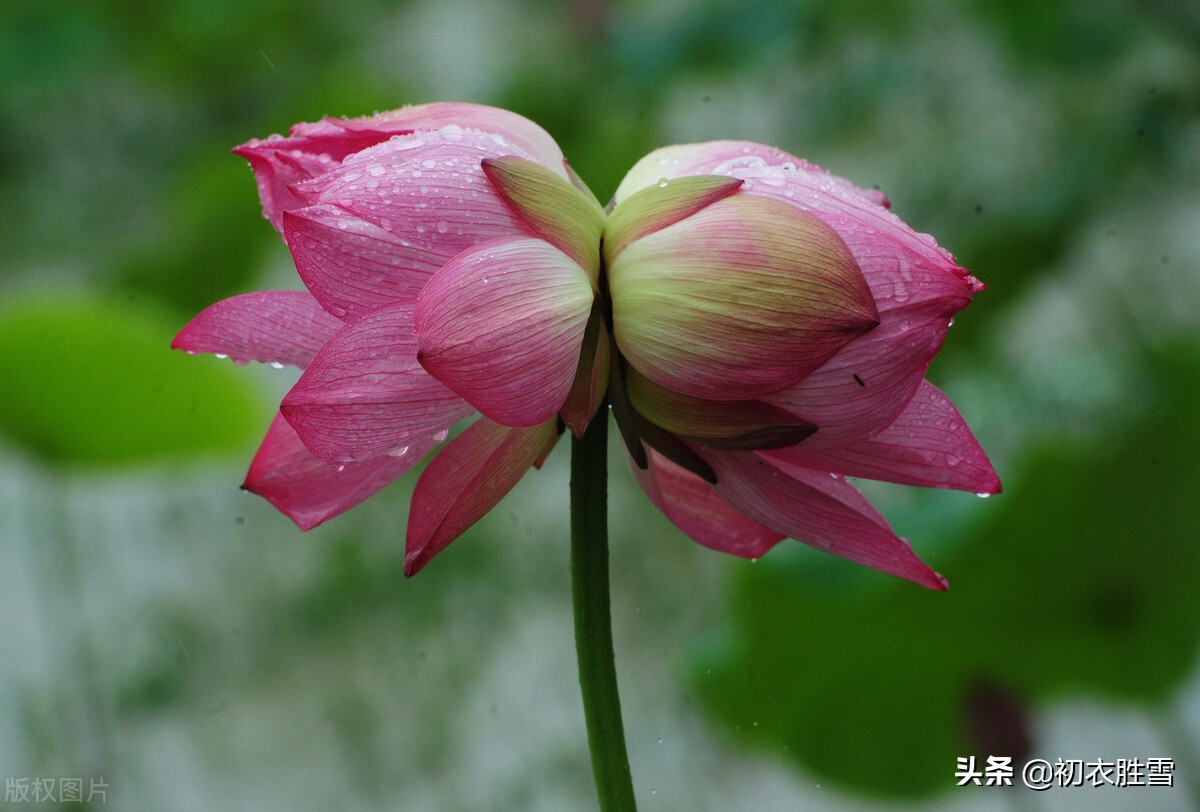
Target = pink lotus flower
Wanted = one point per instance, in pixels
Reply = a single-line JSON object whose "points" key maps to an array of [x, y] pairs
{"points": [[761, 328]]}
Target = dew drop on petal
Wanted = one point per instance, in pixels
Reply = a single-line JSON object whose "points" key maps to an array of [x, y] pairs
{"points": [[276, 365], [398, 452], [340, 468], [442, 226], [220, 355], [662, 183], [441, 436], [983, 495]]}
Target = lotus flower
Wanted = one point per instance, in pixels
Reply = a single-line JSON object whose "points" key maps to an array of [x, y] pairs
{"points": [[760, 327]]}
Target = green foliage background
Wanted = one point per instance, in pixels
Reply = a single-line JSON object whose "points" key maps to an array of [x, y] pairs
{"points": [[195, 650]]}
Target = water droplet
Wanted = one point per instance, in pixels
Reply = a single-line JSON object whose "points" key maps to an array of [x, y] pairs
{"points": [[340, 468], [276, 365], [442, 226], [660, 740], [398, 452], [662, 183], [983, 495], [420, 228], [221, 355], [441, 436], [753, 560], [429, 163]]}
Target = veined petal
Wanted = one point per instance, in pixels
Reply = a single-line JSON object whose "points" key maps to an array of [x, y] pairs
{"points": [[695, 508], [819, 509], [365, 394], [270, 326], [318, 147], [726, 158], [380, 224], [502, 325], [866, 385], [661, 205], [280, 162], [309, 491], [741, 299], [726, 424], [928, 444], [465, 480], [902, 266], [352, 266], [552, 208], [514, 130]]}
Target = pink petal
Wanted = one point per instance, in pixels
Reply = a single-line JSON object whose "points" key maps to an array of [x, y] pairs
{"points": [[741, 299], [352, 266], [309, 491], [465, 480], [315, 148], [819, 509], [280, 162], [695, 508], [365, 394], [707, 157], [521, 134], [929, 444], [380, 224], [502, 326], [902, 266], [866, 385], [270, 326]]}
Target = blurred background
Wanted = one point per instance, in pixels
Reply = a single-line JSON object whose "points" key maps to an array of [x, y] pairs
{"points": [[183, 643]]}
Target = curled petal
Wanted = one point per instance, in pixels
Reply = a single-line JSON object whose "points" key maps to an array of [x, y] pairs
{"points": [[695, 508], [309, 491], [313, 149], [465, 480], [280, 162], [741, 299], [365, 394], [502, 325], [819, 509], [928, 444], [866, 385], [270, 326], [552, 208]]}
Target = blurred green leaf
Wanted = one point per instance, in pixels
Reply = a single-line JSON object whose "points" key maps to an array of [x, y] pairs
{"points": [[96, 383], [1088, 565]]}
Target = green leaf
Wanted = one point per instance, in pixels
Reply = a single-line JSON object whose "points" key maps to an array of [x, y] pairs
{"points": [[95, 383]]}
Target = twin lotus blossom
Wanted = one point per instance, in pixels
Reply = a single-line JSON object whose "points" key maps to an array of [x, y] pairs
{"points": [[760, 327]]}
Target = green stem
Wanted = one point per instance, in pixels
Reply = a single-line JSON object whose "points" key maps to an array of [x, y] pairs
{"points": [[593, 621]]}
